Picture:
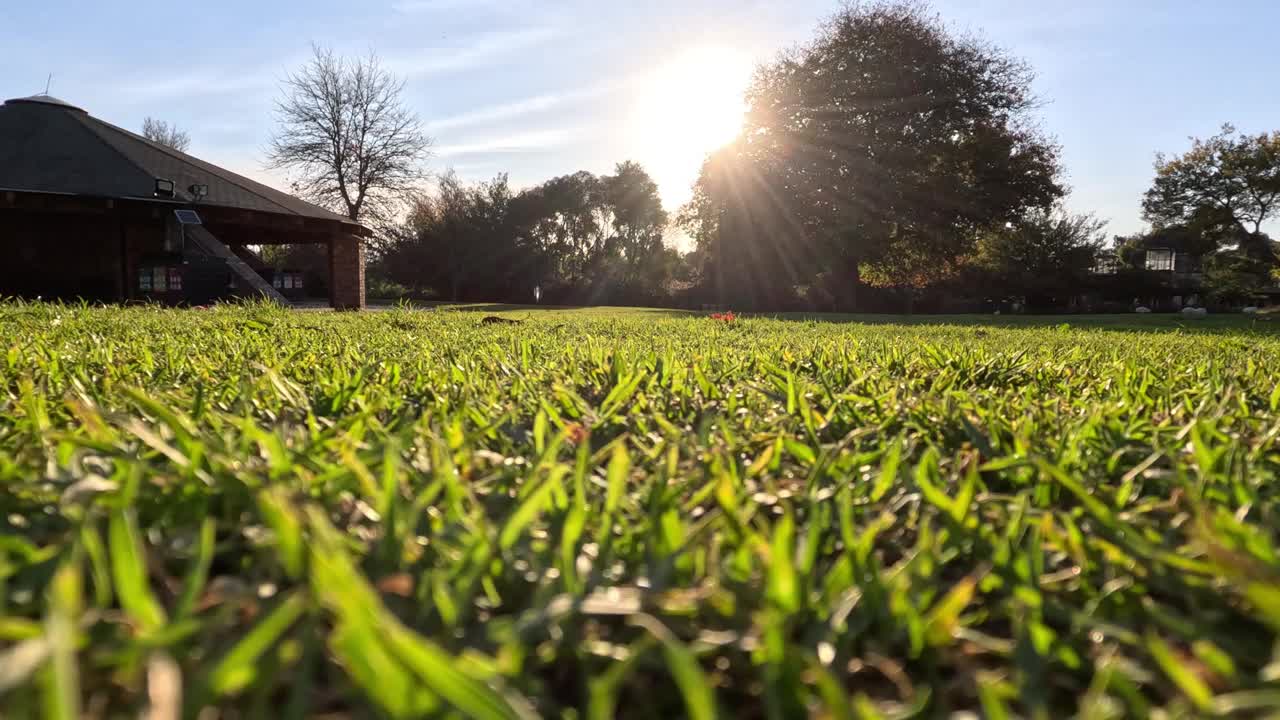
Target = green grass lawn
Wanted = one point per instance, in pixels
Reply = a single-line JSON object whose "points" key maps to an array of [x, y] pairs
{"points": [[648, 514], [1232, 323]]}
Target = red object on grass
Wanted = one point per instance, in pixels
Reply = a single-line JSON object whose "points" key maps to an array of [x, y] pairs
{"points": [[576, 433]]}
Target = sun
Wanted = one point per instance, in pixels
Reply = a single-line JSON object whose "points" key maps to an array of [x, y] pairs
{"points": [[695, 99], [690, 105]]}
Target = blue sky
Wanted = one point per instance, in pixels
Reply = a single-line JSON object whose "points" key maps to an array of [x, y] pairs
{"points": [[547, 87]]}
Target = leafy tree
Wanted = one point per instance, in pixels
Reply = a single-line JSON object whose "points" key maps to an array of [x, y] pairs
{"points": [[461, 242], [1133, 281], [560, 217], [1239, 275], [347, 138], [1229, 263], [1229, 179], [311, 260], [166, 134], [1130, 252], [700, 217], [580, 237], [1198, 241], [604, 236], [1235, 277], [880, 150], [637, 225], [1044, 256]]}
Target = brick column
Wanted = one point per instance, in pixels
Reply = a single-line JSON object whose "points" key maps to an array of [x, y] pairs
{"points": [[346, 272]]}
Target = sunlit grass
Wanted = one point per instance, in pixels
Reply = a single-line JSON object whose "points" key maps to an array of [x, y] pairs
{"points": [[635, 514]]}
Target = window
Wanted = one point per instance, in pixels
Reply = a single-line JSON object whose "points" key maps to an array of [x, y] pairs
{"points": [[1160, 260], [277, 280], [288, 281], [159, 279], [1106, 265]]}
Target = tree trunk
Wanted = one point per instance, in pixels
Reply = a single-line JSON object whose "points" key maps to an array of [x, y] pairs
{"points": [[855, 279]]}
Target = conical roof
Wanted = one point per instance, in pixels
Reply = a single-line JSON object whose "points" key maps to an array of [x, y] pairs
{"points": [[43, 99], [51, 146]]}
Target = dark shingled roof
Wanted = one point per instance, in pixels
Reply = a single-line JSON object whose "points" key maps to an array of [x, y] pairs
{"points": [[48, 145]]}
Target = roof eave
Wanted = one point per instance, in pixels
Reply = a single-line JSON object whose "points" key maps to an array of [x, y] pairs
{"points": [[349, 226]]}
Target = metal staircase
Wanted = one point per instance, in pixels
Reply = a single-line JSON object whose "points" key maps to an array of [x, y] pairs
{"points": [[203, 241]]}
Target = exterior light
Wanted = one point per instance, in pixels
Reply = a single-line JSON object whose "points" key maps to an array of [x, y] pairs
{"points": [[199, 192], [164, 188]]}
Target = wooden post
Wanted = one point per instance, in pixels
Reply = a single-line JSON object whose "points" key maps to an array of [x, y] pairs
{"points": [[346, 272]]}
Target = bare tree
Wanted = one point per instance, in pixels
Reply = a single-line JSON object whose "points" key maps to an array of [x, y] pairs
{"points": [[166, 134], [347, 138]]}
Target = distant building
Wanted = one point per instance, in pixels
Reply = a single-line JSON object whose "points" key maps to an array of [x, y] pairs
{"points": [[1185, 267], [1156, 272], [1106, 263], [91, 211]]}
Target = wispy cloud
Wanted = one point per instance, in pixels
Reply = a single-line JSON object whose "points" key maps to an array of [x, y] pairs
{"points": [[498, 114], [209, 80], [467, 53], [430, 6], [477, 51], [200, 82], [531, 141]]}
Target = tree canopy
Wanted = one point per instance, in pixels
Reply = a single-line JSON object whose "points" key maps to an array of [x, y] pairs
{"points": [[1045, 255], [579, 238], [1228, 179], [1241, 275], [880, 150]]}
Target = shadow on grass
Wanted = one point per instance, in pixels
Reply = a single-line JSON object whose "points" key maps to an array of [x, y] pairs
{"points": [[593, 310], [1156, 322], [1162, 322]]}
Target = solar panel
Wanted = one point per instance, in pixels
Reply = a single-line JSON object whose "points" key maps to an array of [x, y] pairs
{"points": [[187, 217]]}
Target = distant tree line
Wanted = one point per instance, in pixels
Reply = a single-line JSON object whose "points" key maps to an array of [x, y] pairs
{"points": [[580, 239], [892, 163]]}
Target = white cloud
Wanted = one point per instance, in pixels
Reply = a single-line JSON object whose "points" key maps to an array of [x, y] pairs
{"points": [[208, 80], [430, 6], [200, 82], [530, 141], [497, 114], [478, 51]]}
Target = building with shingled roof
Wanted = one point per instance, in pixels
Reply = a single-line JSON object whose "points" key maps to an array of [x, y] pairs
{"points": [[91, 211]]}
